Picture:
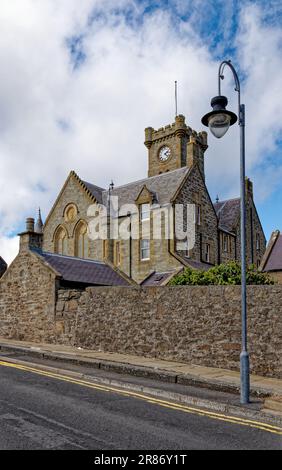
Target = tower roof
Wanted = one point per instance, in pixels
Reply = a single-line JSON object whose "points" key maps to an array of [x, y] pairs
{"points": [[39, 224]]}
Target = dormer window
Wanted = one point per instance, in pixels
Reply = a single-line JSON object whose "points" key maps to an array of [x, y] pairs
{"points": [[144, 212]]}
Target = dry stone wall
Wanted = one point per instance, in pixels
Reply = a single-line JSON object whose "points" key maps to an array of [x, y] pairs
{"points": [[200, 325], [27, 300]]}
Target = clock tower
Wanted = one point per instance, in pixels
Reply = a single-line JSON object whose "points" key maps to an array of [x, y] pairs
{"points": [[174, 146]]}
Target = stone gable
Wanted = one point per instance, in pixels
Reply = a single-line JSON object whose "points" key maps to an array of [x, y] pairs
{"points": [[194, 191], [27, 300], [73, 194]]}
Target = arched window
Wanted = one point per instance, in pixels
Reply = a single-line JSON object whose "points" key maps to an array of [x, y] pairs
{"points": [[61, 241], [81, 241]]}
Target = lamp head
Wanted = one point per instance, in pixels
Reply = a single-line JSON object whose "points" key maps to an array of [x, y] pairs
{"points": [[220, 119]]}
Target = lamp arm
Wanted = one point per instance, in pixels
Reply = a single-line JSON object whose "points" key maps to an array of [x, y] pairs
{"points": [[237, 85]]}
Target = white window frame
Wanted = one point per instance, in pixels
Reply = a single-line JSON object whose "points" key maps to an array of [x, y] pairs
{"points": [[145, 214], [144, 247]]}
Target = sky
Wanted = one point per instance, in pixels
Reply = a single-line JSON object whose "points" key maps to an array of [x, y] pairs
{"points": [[80, 81]]}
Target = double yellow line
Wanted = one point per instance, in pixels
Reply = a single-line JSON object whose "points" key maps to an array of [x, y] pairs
{"points": [[149, 399]]}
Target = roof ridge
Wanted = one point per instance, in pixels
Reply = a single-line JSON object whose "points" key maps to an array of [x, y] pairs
{"points": [[220, 209], [227, 200], [184, 169], [92, 184], [72, 257]]}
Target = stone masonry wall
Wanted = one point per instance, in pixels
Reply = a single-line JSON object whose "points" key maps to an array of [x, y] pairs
{"points": [[195, 192], [27, 300], [66, 315], [200, 325]]}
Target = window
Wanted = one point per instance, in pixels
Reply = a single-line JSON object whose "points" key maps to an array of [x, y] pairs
{"points": [[117, 254], [207, 253], [145, 212], [188, 248], [258, 242], [225, 243], [61, 241], [81, 241], [70, 213], [198, 214], [104, 248], [145, 249]]}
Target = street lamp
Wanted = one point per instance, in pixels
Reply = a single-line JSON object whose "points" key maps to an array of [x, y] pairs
{"points": [[219, 120]]}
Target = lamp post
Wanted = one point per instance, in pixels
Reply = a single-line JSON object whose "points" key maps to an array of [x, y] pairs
{"points": [[219, 120]]}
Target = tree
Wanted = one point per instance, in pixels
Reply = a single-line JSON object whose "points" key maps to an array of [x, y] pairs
{"points": [[222, 274]]}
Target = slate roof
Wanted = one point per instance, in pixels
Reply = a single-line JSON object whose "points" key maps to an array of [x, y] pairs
{"points": [[96, 191], [274, 258], [84, 271], [2, 262], [3, 266], [198, 264], [228, 213], [163, 187], [156, 279]]}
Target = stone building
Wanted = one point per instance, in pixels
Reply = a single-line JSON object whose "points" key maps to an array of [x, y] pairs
{"points": [[132, 212], [29, 288], [272, 260], [228, 213], [176, 175], [46, 294]]}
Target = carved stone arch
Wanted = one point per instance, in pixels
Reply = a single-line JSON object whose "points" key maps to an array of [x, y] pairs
{"points": [[60, 240], [81, 239], [70, 212]]}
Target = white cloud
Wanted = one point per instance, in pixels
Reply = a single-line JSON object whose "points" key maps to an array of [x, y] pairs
{"points": [[9, 248], [54, 118]]}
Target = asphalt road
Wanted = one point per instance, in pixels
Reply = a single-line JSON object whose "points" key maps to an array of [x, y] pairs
{"points": [[42, 412]]}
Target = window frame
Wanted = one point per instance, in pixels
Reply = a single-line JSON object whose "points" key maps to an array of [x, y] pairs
{"points": [[142, 249], [207, 252], [257, 242], [118, 253], [142, 212]]}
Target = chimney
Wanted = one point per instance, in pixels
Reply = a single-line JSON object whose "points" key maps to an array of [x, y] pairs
{"points": [[196, 147], [249, 187], [29, 239]]}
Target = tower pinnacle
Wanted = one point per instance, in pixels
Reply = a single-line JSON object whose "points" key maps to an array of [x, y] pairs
{"points": [[39, 223]]}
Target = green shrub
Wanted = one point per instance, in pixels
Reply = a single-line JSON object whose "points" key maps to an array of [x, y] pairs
{"points": [[223, 274]]}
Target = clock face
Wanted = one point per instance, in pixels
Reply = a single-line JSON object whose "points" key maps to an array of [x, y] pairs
{"points": [[164, 153]]}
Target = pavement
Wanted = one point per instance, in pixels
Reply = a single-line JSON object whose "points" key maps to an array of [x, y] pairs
{"points": [[265, 389]]}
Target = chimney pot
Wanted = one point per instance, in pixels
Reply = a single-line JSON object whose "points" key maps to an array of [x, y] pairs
{"points": [[30, 224]]}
